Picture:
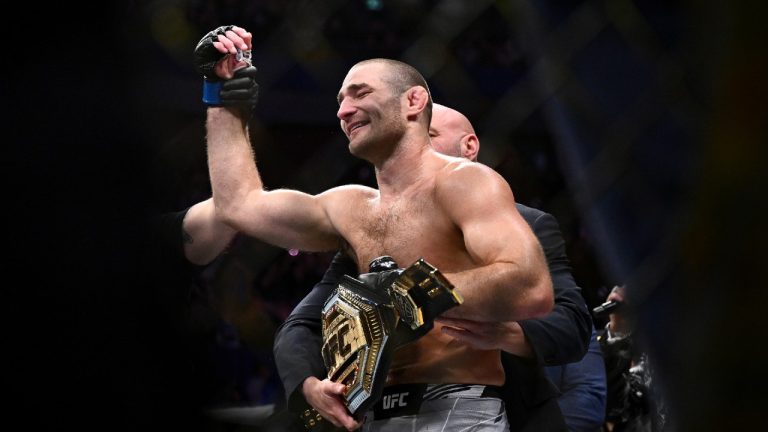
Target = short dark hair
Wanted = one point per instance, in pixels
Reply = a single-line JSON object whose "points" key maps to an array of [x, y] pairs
{"points": [[403, 77]]}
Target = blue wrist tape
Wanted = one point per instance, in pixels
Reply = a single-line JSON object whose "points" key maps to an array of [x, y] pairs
{"points": [[211, 92]]}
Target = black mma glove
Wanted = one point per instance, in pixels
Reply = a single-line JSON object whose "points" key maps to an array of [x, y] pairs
{"points": [[383, 272], [206, 55], [419, 293], [240, 91]]}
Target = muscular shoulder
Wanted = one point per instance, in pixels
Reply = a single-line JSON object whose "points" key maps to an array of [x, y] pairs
{"points": [[344, 198], [461, 177], [349, 192], [462, 169]]}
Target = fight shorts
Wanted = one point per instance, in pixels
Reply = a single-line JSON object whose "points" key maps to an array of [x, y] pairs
{"points": [[438, 407]]}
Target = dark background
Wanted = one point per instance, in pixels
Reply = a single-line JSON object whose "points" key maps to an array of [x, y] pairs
{"points": [[639, 124]]}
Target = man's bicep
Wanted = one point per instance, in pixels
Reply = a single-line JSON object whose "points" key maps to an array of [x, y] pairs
{"points": [[510, 281], [493, 229], [288, 219]]}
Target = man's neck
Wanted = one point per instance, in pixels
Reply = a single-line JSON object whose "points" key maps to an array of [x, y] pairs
{"points": [[408, 165]]}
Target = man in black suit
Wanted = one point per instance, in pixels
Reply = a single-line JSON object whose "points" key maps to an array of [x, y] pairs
{"points": [[560, 337]]}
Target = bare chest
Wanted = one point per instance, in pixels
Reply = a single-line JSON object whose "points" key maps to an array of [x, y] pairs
{"points": [[405, 229]]}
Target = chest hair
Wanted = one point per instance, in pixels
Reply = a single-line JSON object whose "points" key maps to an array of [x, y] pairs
{"points": [[391, 229]]}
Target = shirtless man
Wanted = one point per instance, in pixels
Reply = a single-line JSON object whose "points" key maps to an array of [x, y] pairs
{"points": [[458, 215], [531, 401]]}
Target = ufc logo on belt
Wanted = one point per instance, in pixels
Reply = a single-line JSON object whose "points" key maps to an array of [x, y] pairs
{"points": [[396, 400], [336, 345]]}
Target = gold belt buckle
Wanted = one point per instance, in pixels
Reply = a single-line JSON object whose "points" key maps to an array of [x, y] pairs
{"points": [[357, 326]]}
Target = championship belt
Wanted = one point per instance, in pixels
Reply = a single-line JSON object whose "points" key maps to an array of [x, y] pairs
{"points": [[421, 293], [362, 325]]}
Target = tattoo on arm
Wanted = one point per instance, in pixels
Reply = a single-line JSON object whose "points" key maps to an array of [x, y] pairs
{"points": [[186, 237]]}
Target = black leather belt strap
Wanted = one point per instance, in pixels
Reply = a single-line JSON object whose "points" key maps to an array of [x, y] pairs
{"points": [[399, 400]]}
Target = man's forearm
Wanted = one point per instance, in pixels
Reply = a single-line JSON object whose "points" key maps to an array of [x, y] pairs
{"points": [[230, 162], [502, 292]]}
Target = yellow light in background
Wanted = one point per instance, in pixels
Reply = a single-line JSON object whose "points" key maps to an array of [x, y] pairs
{"points": [[172, 31]]}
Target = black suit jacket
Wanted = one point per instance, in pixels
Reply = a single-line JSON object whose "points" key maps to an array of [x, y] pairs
{"points": [[560, 337]]}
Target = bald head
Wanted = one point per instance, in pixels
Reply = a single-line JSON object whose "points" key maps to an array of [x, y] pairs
{"points": [[452, 133]]}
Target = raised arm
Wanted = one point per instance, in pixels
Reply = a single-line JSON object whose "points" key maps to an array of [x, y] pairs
{"points": [[285, 218], [512, 280], [282, 217]]}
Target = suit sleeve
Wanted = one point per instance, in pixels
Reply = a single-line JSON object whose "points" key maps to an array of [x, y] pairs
{"points": [[562, 336], [298, 340]]}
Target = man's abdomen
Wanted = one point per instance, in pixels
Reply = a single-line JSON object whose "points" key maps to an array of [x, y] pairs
{"points": [[437, 358]]}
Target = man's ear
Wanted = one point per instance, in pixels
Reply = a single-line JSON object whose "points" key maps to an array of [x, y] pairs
{"points": [[416, 100], [470, 146]]}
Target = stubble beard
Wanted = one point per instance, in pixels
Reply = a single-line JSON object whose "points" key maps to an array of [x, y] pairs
{"points": [[384, 131]]}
